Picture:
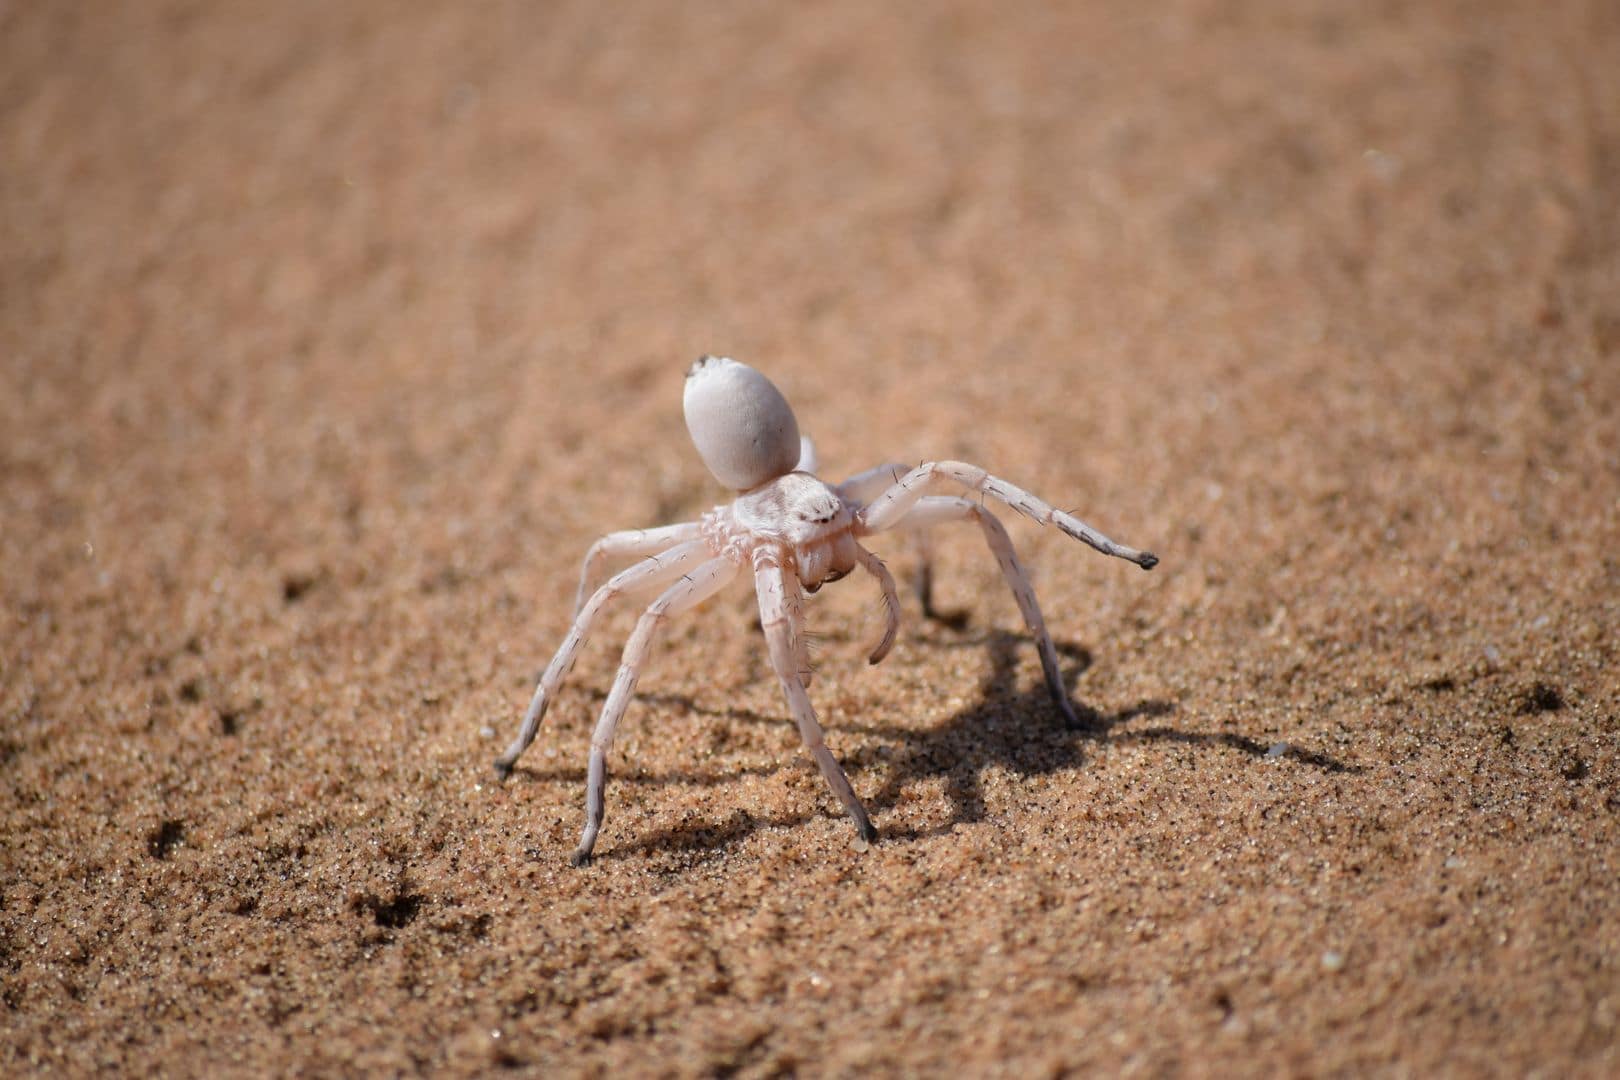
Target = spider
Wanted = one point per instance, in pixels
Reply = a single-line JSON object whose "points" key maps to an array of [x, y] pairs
{"points": [[796, 534]]}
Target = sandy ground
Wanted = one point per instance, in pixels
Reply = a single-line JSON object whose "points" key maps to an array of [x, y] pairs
{"points": [[331, 334]]}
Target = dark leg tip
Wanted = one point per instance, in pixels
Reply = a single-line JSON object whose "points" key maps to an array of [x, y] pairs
{"points": [[867, 831], [503, 769], [580, 859], [1085, 719], [1147, 560]]}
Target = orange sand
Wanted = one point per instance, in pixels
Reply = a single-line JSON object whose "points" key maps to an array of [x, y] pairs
{"points": [[331, 333]]}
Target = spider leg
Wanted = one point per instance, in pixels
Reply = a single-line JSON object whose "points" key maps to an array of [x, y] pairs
{"points": [[643, 577], [869, 483], [808, 461], [794, 601], [628, 542], [885, 511], [690, 590], [775, 585], [924, 585], [891, 601], [935, 510]]}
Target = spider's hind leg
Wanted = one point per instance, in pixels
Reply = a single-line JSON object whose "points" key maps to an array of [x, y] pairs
{"points": [[629, 542], [954, 618], [690, 590], [648, 574], [924, 585]]}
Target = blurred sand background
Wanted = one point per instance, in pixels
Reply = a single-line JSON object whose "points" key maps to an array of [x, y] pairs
{"points": [[332, 333]]}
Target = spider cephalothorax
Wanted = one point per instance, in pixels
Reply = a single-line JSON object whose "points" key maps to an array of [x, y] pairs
{"points": [[796, 512], [795, 534]]}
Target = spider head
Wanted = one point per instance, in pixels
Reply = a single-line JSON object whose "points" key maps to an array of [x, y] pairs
{"points": [[742, 426]]}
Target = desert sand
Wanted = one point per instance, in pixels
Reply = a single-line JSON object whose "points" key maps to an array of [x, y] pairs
{"points": [[331, 334]]}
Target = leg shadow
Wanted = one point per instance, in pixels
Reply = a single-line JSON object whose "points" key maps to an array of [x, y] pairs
{"points": [[1021, 731]]}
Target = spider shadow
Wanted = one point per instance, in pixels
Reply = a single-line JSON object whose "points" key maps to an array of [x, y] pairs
{"points": [[1022, 731], [1018, 729]]}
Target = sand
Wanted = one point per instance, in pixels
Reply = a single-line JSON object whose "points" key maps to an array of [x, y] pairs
{"points": [[332, 333]]}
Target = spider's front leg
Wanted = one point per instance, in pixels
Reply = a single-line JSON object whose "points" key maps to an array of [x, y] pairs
{"points": [[782, 621], [886, 511], [869, 483]]}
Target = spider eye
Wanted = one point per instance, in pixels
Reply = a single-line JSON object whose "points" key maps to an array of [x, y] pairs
{"points": [[820, 512]]}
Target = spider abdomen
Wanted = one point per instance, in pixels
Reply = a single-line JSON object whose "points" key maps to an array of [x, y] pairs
{"points": [[742, 426]]}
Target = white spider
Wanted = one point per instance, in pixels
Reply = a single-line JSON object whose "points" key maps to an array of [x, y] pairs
{"points": [[796, 534]]}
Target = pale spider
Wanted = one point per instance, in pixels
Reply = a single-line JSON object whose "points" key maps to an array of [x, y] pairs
{"points": [[796, 534]]}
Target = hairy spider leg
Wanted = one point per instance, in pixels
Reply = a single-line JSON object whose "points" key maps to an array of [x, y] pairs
{"points": [[692, 589], [799, 637], [781, 619], [934, 510], [888, 508], [868, 484], [629, 542], [645, 576], [891, 601]]}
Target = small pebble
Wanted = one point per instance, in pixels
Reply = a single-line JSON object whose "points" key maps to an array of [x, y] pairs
{"points": [[1277, 750], [1332, 962]]}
